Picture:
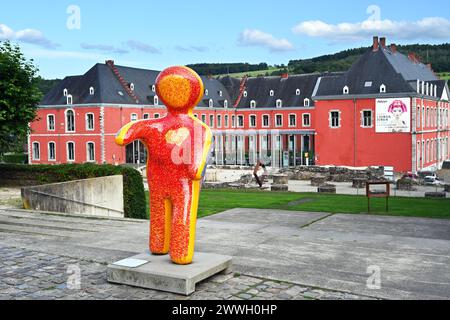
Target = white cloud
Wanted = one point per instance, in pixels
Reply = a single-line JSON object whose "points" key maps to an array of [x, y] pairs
{"points": [[427, 28], [257, 38], [103, 48], [140, 46], [31, 36]]}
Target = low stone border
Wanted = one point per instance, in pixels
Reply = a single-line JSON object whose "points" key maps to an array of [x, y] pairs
{"points": [[435, 195]]}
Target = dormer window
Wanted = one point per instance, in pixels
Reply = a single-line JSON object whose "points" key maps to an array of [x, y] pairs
{"points": [[225, 104], [368, 84], [220, 93], [253, 104], [345, 90], [91, 91], [211, 103], [279, 103], [382, 88], [132, 86], [297, 92], [245, 94], [306, 102], [206, 92], [155, 100], [153, 88], [69, 99], [271, 93], [120, 93], [65, 92]]}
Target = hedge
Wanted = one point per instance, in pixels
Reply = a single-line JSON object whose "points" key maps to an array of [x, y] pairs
{"points": [[15, 158], [133, 186]]}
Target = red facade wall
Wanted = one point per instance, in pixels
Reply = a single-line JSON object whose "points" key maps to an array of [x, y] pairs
{"points": [[353, 145]]}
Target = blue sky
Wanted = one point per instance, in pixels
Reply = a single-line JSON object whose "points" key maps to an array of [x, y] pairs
{"points": [[156, 34]]}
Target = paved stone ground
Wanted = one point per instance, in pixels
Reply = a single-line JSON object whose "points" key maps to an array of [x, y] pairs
{"points": [[316, 254], [26, 274]]}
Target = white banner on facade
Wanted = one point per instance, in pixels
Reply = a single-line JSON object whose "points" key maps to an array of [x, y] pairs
{"points": [[393, 115]]}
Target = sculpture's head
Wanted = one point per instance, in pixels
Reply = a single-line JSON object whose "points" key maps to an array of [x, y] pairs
{"points": [[179, 88]]}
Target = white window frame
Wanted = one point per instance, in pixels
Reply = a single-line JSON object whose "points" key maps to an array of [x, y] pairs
{"points": [[211, 120], [204, 118], [220, 93], [87, 121], [48, 151], [153, 88], [245, 93], [250, 117], [276, 117], [253, 104], [67, 151], [211, 103], [67, 123], [295, 120], [346, 90], [132, 86], [225, 104], [146, 116], [298, 92], [279, 103], [132, 116], [206, 92], [33, 151], [271, 93], [226, 121], [303, 120], [330, 119], [268, 121], [233, 121], [87, 151], [383, 88], [48, 122], [306, 102], [155, 100], [371, 118], [65, 92], [91, 91], [156, 116], [219, 121], [239, 117], [69, 99]]}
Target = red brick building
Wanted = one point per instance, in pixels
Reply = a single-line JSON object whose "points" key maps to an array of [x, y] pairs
{"points": [[356, 118]]}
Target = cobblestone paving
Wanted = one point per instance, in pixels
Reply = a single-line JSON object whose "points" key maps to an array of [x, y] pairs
{"points": [[26, 274]]}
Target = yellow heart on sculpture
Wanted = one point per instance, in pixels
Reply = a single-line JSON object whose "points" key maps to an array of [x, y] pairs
{"points": [[177, 136]]}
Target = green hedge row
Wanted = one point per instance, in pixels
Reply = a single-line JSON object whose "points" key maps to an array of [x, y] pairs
{"points": [[133, 186], [14, 158]]}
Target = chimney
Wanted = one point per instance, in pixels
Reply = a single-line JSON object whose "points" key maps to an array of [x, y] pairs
{"points": [[285, 76], [110, 63], [383, 42], [429, 66], [393, 48], [375, 43]]}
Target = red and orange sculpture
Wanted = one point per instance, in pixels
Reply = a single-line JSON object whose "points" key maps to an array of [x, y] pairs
{"points": [[178, 146]]}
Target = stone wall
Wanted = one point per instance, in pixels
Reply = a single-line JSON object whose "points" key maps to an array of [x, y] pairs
{"points": [[98, 196], [335, 174]]}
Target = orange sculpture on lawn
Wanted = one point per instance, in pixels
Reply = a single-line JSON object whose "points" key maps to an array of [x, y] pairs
{"points": [[178, 146]]}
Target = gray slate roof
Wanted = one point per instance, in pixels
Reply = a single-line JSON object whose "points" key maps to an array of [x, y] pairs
{"points": [[107, 88], [394, 70]]}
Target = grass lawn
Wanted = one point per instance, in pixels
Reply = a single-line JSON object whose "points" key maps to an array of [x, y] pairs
{"points": [[444, 75], [215, 201]]}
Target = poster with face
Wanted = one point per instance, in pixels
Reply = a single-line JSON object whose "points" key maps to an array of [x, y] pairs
{"points": [[393, 115]]}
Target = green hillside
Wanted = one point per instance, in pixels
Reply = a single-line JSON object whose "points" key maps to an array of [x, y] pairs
{"points": [[437, 55]]}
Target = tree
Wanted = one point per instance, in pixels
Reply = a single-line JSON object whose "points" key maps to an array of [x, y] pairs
{"points": [[19, 96]]}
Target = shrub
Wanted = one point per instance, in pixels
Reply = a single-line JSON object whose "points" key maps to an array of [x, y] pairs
{"points": [[15, 158], [133, 187]]}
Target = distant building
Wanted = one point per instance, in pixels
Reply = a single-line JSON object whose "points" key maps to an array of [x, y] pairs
{"points": [[388, 109]]}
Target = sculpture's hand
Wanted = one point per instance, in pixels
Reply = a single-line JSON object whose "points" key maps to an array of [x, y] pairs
{"points": [[133, 131]]}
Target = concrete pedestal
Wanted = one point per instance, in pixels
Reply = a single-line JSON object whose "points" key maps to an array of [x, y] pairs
{"points": [[160, 273]]}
